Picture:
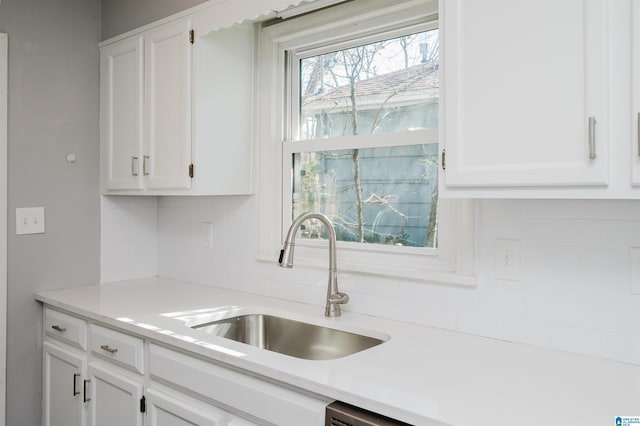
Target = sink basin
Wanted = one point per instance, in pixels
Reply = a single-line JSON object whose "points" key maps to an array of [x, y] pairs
{"points": [[289, 337]]}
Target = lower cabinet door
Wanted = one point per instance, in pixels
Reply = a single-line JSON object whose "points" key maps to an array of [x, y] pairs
{"points": [[238, 421], [166, 410], [63, 382], [115, 398]]}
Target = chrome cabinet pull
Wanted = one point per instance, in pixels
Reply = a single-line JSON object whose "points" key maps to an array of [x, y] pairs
{"points": [[84, 391], [108, 349], [134, 166], [592, 138], [75, 384], [639, 134], [58, 328], [145, 171]]}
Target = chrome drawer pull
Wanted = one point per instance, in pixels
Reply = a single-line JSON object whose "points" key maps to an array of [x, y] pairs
{"points": [[75, 382], [134, 166], [85, 398], [592, 138], [145, 160], [58, 328], [108, 349]]}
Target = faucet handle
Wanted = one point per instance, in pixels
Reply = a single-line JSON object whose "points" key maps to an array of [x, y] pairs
{"points": [[339, 297]]}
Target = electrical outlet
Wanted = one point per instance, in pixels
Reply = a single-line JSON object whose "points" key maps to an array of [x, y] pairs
{"points": [[207, 234], [507, 260], [30, 220], [634, 263]]}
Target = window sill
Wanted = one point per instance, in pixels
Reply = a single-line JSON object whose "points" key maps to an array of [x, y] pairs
{"points": [[404, 273]]}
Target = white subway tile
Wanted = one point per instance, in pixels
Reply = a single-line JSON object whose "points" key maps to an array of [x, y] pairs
{"points": [[573, 291], [465, 298], [365, 304], [611, 318], [623, 348], [579, 340], [437, 316], [555, 311], [502, 301], [400, 310], [526, 331], [478, 323], [128, 238]]}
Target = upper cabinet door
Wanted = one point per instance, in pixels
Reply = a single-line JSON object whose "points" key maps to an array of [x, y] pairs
{"points": [[524, 93], [167, 156], [635, 132], [122, 113]]}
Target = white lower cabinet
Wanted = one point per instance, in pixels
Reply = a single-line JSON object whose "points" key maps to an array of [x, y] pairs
{"points": [[249, 395], [115, 399], [125, 380], [165, 410], [64, 371], [170, 408]]}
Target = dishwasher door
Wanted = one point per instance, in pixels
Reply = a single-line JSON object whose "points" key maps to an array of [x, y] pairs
{"points": [[341, 414]]}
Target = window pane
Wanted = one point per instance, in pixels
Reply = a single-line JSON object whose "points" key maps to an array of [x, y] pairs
{"points": [[382, 195], [381, 87]]}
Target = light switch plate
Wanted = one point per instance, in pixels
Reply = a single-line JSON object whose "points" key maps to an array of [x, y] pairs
{"points": [[30, 220], [634, 263], [507, 260]]}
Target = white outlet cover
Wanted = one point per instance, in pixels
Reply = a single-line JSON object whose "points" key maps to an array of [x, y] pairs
{"points": [[207, 234], [507, 259], [29, 220]]}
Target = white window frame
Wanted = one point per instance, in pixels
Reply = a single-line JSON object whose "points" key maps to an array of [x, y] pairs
{"points": [[453, 261]]}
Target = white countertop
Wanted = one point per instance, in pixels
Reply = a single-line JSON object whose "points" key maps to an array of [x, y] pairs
{"points": [[422, 375]]}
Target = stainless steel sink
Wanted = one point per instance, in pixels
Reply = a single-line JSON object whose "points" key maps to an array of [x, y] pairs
{"points": [[289, 337]]}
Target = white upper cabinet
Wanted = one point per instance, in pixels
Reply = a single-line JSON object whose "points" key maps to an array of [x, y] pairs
{"points": [[223, 109], [525, 96], [635, 111], [146, 111], [177, 108], [168, 106], [121, 91]]}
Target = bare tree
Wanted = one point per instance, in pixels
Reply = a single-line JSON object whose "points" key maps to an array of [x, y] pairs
{"points": [[353, 66]]}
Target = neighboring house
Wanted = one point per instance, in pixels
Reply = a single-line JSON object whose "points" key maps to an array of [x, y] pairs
{"points": [[404, 99], [397, 196]]}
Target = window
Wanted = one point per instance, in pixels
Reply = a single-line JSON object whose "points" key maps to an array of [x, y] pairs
{"points": [[356, 92], [374, 191]]}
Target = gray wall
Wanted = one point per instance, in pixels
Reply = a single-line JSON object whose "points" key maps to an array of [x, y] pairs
{"points": [[120, 16], [53, 110]]}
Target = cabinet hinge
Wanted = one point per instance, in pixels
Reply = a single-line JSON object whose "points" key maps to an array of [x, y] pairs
{"points": [[143, 405], [191, 170], [444, 156], [192, 36]]}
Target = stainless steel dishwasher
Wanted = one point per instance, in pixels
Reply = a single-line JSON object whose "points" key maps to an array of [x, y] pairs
{"points": [[341, 414]]}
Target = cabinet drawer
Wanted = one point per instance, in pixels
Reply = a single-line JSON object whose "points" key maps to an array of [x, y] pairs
{"points": [[119, 348], [66, 328], [256, 397]]}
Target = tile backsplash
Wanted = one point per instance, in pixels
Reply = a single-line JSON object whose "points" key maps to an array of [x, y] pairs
{"points": [[573, 291]]}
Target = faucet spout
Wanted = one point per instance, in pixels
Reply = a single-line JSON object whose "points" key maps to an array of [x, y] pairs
{"points": [[334, 297]]}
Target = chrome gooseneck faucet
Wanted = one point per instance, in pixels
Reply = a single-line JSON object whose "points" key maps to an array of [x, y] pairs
{"points": [[334, 297]]}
